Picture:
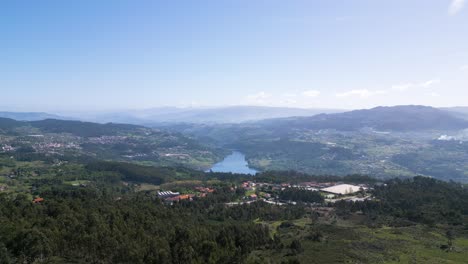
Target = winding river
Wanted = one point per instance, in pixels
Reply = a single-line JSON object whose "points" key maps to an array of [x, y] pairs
{"points": [[234, 163]]}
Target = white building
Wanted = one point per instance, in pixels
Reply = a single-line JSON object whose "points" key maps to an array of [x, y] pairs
{"points": [[167, 194], [342, 189]]}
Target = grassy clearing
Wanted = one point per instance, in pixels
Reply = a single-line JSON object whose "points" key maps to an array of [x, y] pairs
{"points": [[148, 187], [249, 192], [352, 243], [77, 182], [181, 184]]}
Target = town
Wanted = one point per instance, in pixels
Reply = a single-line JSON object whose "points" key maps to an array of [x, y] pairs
{"points": [[271, 193]]}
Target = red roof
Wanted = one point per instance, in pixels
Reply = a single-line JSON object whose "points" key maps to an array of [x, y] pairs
{"points": [[173, 199], [184, 197], [38, 200], [180, 197]]}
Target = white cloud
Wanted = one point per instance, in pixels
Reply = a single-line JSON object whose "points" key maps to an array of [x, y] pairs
{"points": [[259, 98], [311, 93], [402, 87], [288, 102], [456, 6], [363, 93], [407, 86], [289, 95], [434, 94], [429, 83], [464, 67]]}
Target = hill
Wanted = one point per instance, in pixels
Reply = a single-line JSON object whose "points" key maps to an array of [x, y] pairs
{"points": [[397, 118], [84, 129], [8, 125], [460, 111], [400, 141], [77, 128], [213, 115], [29, 116], [53, 139]]}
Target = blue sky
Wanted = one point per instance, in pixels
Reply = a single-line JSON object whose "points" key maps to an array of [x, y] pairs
{"points": [[98, 55]]}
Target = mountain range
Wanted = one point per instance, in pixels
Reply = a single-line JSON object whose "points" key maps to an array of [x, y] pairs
{"points": [[77, 128], [333, 143], [30, 116], [213, 115], [397, 118]]}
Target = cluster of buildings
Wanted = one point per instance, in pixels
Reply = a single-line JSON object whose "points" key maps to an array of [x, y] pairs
{"points": [[270, 192], [248, 185], [203, 191], [137, 155], [7, 148], [56, 145], [331, 191], [171, 197], [107, 139]]}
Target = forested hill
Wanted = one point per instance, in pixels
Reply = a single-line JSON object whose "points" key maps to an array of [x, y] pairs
{"points": [[30, 116], [8, 124], [85, 129], [77, 128], [400, 141], [397, 118], [70, 140]]}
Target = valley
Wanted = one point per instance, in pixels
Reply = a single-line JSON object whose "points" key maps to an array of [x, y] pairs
{"points": [[287, 194], [55, 140], [234, 132], [314, 145], [371, 146]]}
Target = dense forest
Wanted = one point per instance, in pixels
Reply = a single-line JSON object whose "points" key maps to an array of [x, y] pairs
{"points": [[107, 222], [104, 226], [418, 200]]}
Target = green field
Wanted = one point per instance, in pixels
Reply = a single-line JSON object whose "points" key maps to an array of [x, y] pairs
{"points": [[347, 242]]}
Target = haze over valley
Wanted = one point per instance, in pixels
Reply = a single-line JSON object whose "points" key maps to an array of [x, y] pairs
{"points": [[385, 142], [246, 132]]}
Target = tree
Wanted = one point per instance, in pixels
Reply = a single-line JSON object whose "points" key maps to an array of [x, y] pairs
{"points": [[4, 255], [296, 247], [450, 237]]}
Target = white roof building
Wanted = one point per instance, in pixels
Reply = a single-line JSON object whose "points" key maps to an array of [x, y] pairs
{"points": [[342, 189], [168, 194]]}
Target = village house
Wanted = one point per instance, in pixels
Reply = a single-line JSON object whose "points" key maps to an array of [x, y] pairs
{"points": [[38, 200], [178, 198], [204, 189], [253, 197], [248, 185]]}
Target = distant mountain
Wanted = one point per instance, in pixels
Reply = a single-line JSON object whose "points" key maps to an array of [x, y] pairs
{"points": [[8, 124], [397, 118], [77, 128], [29, 116], [233, 114], [460, 111], [84, 129]]}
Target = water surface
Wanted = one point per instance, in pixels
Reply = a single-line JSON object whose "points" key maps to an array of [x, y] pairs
{"points": [[234, 163]]}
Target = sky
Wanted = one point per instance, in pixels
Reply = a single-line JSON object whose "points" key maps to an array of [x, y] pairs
{"points": [[92, 55]]}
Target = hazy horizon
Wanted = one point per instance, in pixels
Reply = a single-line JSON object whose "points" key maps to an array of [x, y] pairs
{"points": [[107, 55], [187, 108]]}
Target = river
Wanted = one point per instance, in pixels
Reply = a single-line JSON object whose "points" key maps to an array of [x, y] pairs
{"points": [[234, 163]]}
